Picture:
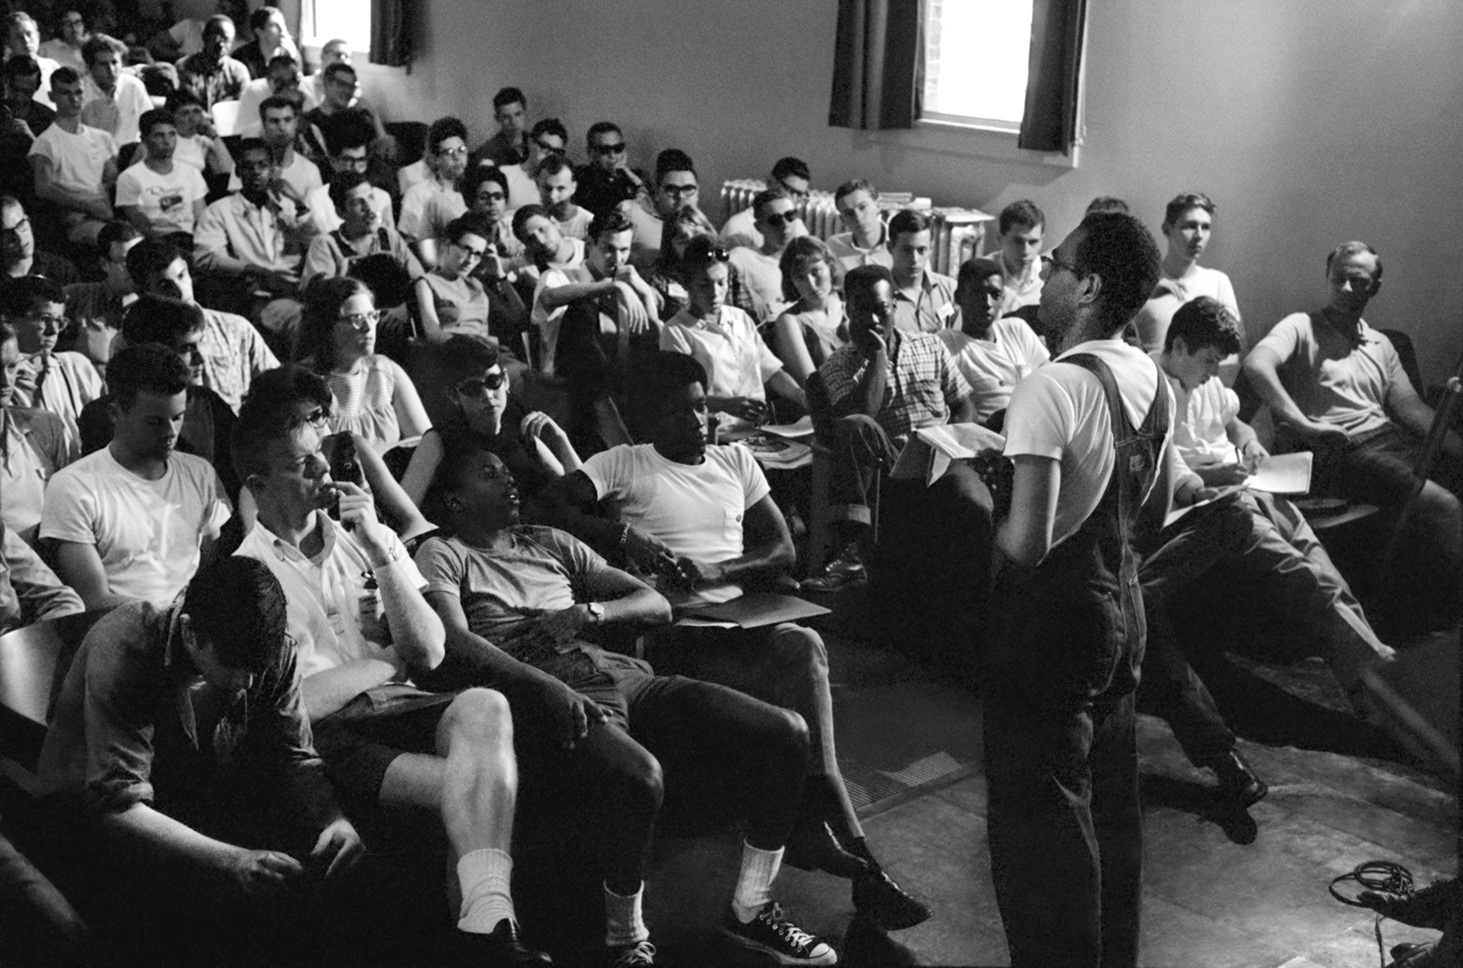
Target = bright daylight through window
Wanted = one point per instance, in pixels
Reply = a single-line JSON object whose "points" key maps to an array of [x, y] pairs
{"points": [[325, 20], [976, 55]]}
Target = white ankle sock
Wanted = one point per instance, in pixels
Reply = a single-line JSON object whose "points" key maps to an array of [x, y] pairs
{"points": [[754, 883], [485, 876], [624, 923]]}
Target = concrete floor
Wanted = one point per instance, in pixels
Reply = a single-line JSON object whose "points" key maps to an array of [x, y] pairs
{"points": [[1220, 889]]}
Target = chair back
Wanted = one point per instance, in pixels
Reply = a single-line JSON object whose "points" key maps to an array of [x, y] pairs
{"points": [[33, 665], [225, 117]]}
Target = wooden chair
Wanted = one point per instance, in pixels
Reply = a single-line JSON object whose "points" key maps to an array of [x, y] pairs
{"points": [[33, 665]]}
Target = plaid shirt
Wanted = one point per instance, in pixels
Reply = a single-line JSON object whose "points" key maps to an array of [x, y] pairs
{"points": [[923, 382]]}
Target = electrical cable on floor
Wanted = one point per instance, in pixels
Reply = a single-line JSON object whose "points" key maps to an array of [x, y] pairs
{"points": [[1382, 876]]}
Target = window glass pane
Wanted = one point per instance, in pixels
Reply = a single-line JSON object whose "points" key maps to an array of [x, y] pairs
{"points": [[976, 55], [350, 20]]}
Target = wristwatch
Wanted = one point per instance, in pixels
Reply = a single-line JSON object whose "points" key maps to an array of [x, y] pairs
{"points": [[596, 611]]}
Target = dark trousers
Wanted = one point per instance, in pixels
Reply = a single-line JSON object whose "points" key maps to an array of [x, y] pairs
{"points": [[38, 926], [1065, 829]]}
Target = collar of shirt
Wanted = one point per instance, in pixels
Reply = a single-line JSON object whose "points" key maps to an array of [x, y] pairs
{"points": [[290, 554], [1364, 333]]}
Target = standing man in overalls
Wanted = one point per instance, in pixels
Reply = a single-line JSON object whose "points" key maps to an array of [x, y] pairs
{"points": [[1088, 435]]}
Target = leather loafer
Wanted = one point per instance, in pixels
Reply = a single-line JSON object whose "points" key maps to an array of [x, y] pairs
{"points": [[501, 949], [885, 904], [1237, 782]]}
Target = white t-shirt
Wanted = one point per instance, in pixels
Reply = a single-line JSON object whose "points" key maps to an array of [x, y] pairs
{"points": [[1153, 319], [549, 320], [763, 276], [741, 230], [416, 173], [994, 368], [1060, 412], [736, 359], [193, 151], [301, 174], [78, 161], [147, 533], [521, 189], [118, 113], [414, 207], [1333, 380], [1200, 419], [324, 595], [576, 226], [697, 510], [166, 201]]}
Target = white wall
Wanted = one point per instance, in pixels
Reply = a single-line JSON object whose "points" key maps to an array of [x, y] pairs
{"points": [[1308, 121]]}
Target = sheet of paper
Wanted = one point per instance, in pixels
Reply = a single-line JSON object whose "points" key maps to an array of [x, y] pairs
{"points": [[757, 609], [963, 440], [1225, 494], [913, 462], [1283, 474], [801, 428]]}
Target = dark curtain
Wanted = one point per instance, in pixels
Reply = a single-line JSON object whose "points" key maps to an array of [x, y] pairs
{"points": [[393, 31], [1050, 122], [878, 67]]}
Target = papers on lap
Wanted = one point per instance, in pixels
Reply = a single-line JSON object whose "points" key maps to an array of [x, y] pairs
{"points": [[1276, 474], [931, 449], [752, 611]]}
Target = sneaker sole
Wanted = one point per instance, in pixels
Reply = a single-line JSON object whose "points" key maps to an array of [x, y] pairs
{"points": [[831, 958]]}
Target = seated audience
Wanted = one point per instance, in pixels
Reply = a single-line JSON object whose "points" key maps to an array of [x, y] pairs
{"points": [[509, 145], [1018, 250], [34, 444], [65, 47], [30, 592], [992, 354], [23, 39], [924, 300], [1336, 386], [61, 383], [1187, 225], [666, 275], [867, 240], [342, 100], [162, 198], [199, 144], [18, 253], [211, 75], [28, 119], [359, 236], [347, 145], [547, 137], [531, 444], [557, 187], [777, 223], [355, 610], [446, 160], [373, 395], [114, 100], [271, 38], [813, 325], [234, 352], [207, 420], [134, 520], [458, 303], [252, 243], [75, 164], [514, 599], [724, 340], [295, 176], [793, 177], [177, 724], [94, 310], [336, 51], [700, 520], [932, 555], [281, 79], [676, 184]]}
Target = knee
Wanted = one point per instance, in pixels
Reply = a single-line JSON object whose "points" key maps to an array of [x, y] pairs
{"points": [[481, 715], [789, 731], [802, 649]]}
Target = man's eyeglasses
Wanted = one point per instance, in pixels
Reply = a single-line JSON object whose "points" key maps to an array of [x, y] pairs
{"points": [[680, 191], [459, 152], [608, 149], [474, 387], [1051, 263], [361, 321], [548, 148], [780, 219], [469, 251], [491, 197], [315, 418]]}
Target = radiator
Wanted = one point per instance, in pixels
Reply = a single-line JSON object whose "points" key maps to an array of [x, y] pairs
{"points": [[957, 233]]}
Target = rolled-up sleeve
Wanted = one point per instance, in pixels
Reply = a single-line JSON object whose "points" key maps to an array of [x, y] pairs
{"points": [[119, 733]]}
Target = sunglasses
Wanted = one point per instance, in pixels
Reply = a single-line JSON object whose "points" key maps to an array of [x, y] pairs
{"points": [[780, 219], [491, 196], [608, 149], [551, 149], [474, 387]]}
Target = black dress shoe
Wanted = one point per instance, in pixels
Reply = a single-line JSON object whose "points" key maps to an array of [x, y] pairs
{"points": [[1237, 782], [501, 949], [883, 903], [812, 847]]}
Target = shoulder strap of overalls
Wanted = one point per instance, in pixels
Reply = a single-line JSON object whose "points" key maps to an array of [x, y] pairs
{"points": [[1156, 420]]}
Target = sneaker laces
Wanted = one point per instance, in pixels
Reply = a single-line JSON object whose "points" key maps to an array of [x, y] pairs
{"points": [[795, 936], [640, 953]]}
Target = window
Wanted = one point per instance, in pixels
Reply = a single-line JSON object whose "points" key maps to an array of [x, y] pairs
{"points": [[322, 21], [976, 57]]}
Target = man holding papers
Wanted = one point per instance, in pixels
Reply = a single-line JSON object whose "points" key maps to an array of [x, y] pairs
{"points": [[1283, 560], [699, 521]]}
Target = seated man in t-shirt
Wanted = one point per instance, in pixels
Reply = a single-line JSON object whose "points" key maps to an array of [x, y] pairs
{"points": [[135, 519], [1187, 223], [992, 354], [161, 197], [933, 553], [75, 165], [699, 519], [1336, 386], [94, 310], [778, 223], [515, 599]]}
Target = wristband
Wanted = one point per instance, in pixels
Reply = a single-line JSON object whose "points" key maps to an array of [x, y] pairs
{"points": [[624, 536], [393, 555]]}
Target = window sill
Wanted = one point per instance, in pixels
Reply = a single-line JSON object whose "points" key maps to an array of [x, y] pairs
{"points": [[972, 138]]}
